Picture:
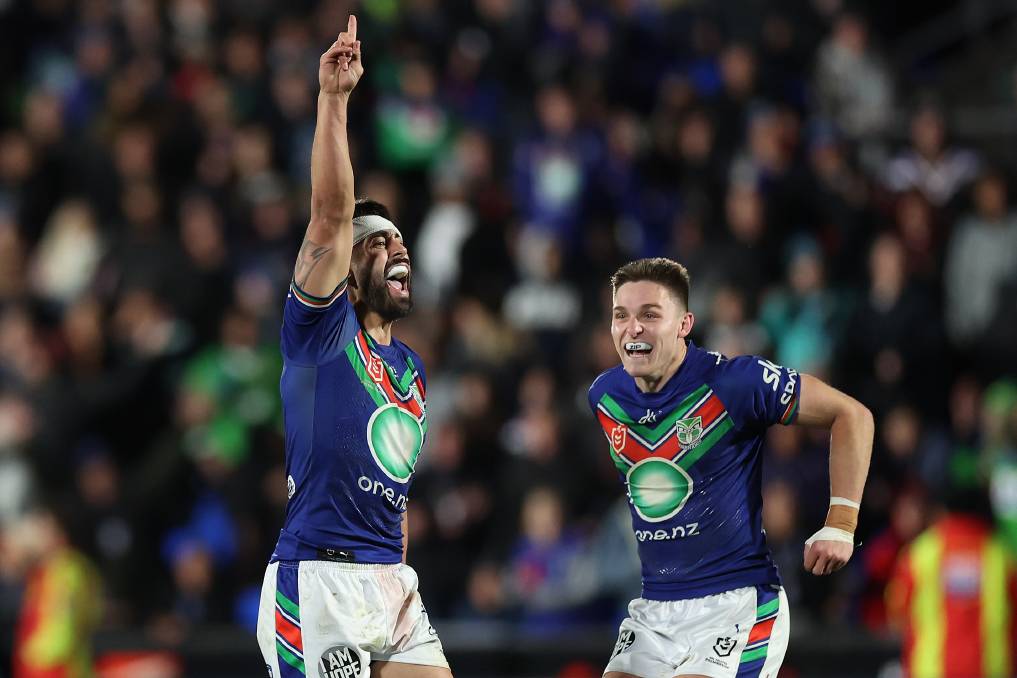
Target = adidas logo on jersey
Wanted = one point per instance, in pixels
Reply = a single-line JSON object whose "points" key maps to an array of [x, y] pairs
{"points": [[649, 418]]}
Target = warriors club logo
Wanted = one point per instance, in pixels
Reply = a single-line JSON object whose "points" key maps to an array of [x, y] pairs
{"points": [[690, 432]]}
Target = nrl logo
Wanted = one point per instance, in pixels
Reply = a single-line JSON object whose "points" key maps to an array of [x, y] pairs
{"points": [[376, 369], [724, 646], [690, 432], [618, 435]]}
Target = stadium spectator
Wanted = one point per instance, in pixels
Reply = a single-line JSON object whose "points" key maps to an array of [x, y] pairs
{"points": [[980, 260], [853, 85], [62, 604], [953, 594], [938, 170]]}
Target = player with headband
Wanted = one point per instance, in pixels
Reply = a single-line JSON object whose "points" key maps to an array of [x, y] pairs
{"points": [[338, 599], [685, 428]]}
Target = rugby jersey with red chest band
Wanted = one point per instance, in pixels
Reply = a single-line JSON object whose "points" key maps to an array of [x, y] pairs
{"points": [[690, 457], [355, 420]]}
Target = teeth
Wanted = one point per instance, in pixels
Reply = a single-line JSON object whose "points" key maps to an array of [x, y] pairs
{"points": [[397, 272], [638, 346]]}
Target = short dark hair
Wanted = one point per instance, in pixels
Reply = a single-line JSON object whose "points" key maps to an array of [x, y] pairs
{"points": [[365, 206], [661, 270]]}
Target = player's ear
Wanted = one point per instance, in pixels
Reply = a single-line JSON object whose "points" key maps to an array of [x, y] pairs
{"points": [[352, 290], [685, 325]]}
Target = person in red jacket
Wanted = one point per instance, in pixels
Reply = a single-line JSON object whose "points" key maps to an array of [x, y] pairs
{"points": [[954, 596]]}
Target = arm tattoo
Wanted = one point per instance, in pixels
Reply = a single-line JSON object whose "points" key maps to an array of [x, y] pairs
{"points": [[309, 257]]}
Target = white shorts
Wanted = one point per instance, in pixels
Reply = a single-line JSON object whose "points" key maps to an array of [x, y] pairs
{"points": [[323, 619], [736, 634]]}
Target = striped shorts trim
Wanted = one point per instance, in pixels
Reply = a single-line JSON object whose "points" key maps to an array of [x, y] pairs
{"points": [[289, 641], [754, 653]]}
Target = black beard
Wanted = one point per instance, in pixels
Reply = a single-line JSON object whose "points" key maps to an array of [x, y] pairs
{"points": [[377, 299]]}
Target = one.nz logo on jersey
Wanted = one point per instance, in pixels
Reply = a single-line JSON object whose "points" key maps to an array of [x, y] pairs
{"points": [[340, 662]]}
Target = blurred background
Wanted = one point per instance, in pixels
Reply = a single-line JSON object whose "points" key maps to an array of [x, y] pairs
{"points": [[836, 176]]}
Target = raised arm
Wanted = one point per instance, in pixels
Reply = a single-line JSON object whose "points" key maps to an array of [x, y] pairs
{"points": [[324, 257], [851, 430]]}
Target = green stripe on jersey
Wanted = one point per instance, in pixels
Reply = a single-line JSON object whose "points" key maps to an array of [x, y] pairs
{"points": [[706, 443], [655, 433], [404, 384], [401, 384], [620, 462], [358, 366]]}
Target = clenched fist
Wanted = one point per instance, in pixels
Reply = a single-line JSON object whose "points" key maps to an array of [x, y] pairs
{"points": [[828, 550]]}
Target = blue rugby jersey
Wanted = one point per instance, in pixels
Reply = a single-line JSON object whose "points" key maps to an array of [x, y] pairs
{"points": [[355, 422], [690, 459]]}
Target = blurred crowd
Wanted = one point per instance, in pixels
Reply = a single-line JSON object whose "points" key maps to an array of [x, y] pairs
{"points": [[154, 189]]}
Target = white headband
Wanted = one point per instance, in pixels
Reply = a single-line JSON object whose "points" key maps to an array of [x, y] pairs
{"points": [[369, 224]]}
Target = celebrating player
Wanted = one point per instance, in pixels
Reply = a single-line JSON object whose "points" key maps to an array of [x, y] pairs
{"points": [[338, 599], [685, 428]]}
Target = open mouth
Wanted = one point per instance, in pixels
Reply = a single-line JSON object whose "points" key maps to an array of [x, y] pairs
{"points": [[398, 279], [636, 349]]}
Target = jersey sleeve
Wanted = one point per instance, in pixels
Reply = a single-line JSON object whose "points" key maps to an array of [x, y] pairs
{"points": [[595, 391], [315, 330], [757, 392], [418, 364]]}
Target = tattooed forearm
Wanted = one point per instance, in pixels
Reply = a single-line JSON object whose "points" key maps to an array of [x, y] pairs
{"points": [[310, 255]]}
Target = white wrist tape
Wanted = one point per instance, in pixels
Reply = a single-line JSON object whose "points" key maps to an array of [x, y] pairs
{"points": [[841, 501], [831, 534]]}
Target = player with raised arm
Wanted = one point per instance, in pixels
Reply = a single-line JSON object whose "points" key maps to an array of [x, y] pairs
{"points": [[338, 599], [685, 428]]}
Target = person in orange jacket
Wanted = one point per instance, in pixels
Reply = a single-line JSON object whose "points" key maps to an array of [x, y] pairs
{"points": [[61, 606], [954, 595]]}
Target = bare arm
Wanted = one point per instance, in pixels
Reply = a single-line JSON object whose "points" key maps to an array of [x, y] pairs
{"points": [[851, 431], [324, 257]]}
